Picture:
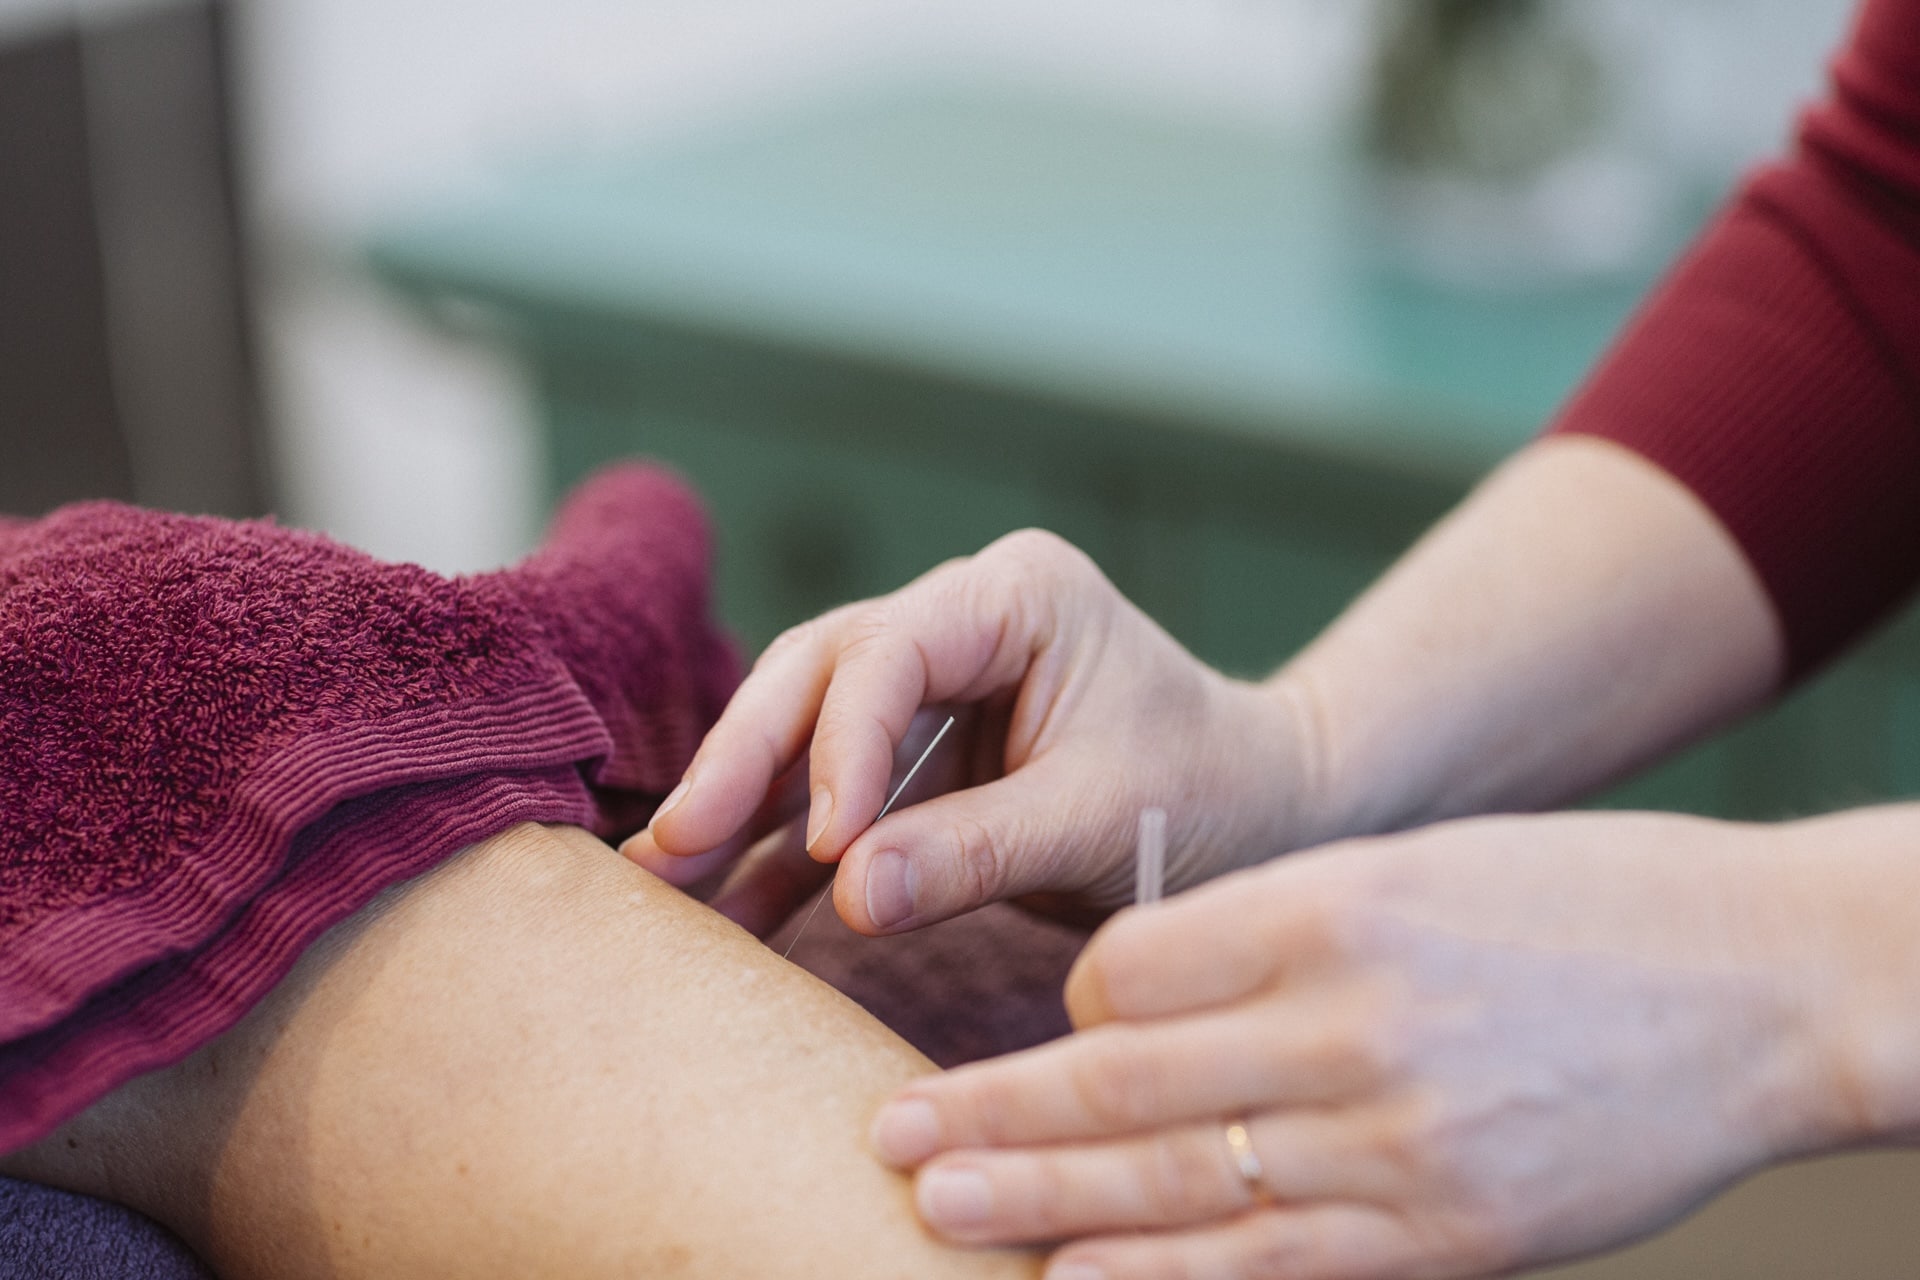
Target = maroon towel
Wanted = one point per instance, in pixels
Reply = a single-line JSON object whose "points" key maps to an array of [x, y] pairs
{"points": [[218, 739]]}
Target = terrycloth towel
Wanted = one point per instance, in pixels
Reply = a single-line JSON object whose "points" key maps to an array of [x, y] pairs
{"points": [[52, 1235], [218, 739]]}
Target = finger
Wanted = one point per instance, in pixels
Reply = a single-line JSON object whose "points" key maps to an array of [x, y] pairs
{"points": [[1024, 833], [641, 849], [1131, 1078], [1178, 1177], [772, 880], [963, 632], [777, 875], [1218, 944], [761, 735], [1280, 1242], [777, 810]]}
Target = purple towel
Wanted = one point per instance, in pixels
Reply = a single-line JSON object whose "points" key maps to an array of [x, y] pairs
{"points": [[972, 987], [51, 1235], [218, 739]]}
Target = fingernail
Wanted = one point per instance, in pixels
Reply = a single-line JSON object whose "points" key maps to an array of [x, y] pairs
{"points": [[1074, 1271], [954, 1198], [674, 797], [906, 1132], [891, 881], [819, 815]]}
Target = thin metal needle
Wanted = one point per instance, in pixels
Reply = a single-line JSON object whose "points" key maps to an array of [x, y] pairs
{"points": [[884, 810], [1150, 870]]}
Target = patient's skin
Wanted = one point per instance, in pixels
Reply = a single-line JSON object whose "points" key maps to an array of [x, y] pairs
{"points": [[537, 1060]]}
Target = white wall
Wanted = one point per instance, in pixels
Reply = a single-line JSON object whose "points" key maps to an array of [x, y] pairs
{"points": [[415, 447]]}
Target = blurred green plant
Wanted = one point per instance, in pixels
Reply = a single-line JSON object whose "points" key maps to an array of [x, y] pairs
{"points": [[1494, 90]]}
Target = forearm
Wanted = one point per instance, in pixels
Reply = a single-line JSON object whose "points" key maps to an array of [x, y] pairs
{"points": [[1583, 613], [1579, 616]]}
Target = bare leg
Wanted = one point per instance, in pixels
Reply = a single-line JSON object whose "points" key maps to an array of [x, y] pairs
{"points": [[535, 1060]]}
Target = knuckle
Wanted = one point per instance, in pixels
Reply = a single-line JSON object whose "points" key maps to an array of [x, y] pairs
{"points": [[1036, 1198], [938, 573], [837, 718], [979, 860], [1119, 1090], [1481, 1242], [1415, 1141], [795, 637], [1490, 1242], [814, 632], [867, 644], [1316, 1243], [1370, 1050], [1039, 558], [1021, 591], [1353, 1052], [1178, 1265], [1182, 1180], [1344, 921], [988, 1110], [870, 632], [1277, 1245], [1033, 546]]}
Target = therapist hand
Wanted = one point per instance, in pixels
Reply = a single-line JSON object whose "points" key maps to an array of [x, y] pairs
{"points": [[1076, 711], [1488, 1044]]}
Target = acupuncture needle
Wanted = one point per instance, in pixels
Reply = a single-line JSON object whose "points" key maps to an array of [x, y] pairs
{"points": [[884, 810], [1150, 865]]}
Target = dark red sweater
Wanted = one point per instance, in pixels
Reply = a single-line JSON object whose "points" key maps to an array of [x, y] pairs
{"points": [[1776, 372]]}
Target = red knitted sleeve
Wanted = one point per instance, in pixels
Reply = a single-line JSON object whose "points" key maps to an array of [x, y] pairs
{"points": [[1776, 372]]}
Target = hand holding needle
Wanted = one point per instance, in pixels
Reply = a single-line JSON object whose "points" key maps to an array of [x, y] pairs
{"points": [[884, 810]]}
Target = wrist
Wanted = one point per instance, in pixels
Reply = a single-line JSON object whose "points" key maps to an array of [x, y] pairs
{"points": [[1853, 892], [1302, 761], [1274, 762]]}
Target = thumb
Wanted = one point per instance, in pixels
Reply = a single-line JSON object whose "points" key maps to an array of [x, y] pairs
{"points": [[1039, 829]]}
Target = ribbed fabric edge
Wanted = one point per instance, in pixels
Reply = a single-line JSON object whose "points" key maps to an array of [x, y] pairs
{"points": [[1759, 380], [340, 867], [53, 965]]}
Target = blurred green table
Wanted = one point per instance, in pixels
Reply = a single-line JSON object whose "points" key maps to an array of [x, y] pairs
{"points": [[880, 331]]}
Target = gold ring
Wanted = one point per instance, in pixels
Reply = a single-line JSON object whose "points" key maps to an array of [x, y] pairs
{"points": [[1245, 1158]]}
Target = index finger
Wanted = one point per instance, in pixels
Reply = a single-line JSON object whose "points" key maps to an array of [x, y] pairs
{"points": [[761, 734], [850, 683], [1130, 1078], [960, 633]]}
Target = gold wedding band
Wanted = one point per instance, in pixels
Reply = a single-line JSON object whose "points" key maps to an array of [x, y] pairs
{"points": [[1245, 1158]]}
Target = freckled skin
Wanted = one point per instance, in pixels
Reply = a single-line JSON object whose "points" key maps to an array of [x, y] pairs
{"points": [[537, 1060]]}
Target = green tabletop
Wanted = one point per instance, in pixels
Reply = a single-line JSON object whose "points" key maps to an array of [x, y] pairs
{"points": [[881, 329], [1051, 247]]}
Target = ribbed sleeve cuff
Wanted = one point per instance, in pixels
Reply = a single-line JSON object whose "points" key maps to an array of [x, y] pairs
{"points": [[1768, 377]]}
